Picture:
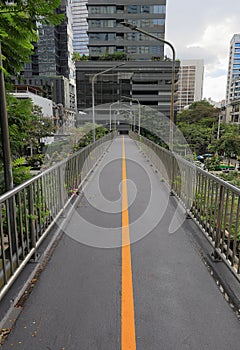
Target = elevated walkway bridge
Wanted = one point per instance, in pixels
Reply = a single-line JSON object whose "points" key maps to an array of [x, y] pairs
{"points": [[123, 245]]}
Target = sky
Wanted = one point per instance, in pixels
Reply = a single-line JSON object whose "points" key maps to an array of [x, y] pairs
{"points": [[203, 29]]}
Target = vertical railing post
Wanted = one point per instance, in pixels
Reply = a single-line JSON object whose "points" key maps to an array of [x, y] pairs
{"points": [[172, 173], [218, 224], [32, 221], [61, 185]]}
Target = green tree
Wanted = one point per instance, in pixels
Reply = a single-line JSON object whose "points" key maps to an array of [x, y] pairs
{"points": [[21, 173], [197, 136], [19, 121], [116, 56], [201, 112], [77, 57], [227, 145], [26, 125], [199, 125], [19, 23]]}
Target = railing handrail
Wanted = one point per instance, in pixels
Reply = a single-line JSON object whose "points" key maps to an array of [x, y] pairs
{"points": [[29, 211], [194, 166], [213, 203], [26, 183]]}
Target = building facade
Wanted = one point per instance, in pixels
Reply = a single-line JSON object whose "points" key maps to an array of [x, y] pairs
{"points": [[190, 83], [146, 74], [80, 26], [148, 82], [233, 112], [107, 35], [233, 78]]}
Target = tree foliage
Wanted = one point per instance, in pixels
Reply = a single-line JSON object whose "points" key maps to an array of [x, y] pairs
{"points": [[199, 112], [26, 125], [227, 145], [116, 56], [199, 125], [78, 57], [19, 22]]}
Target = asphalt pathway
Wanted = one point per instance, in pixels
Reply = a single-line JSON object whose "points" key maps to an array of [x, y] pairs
{"points": [[152, 294]]}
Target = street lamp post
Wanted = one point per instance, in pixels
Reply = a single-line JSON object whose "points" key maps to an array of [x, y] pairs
{"points": [[219, 122], [110, 116], [93, 94], [116, 113], [5, 131], [133, 27], [139, 111], [110, 109], [127, 108]]}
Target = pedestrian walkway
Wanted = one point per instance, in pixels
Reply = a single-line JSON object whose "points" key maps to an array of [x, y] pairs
{"points": [[98, 292]]}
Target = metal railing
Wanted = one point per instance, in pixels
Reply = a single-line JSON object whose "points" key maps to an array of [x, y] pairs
{"points": [[30, 210], [212, 202]]}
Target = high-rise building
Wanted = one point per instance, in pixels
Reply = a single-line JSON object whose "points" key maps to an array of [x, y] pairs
{"points": [[80, 26], [233, 79], [107, 35], [146, 75], [190, 82]]}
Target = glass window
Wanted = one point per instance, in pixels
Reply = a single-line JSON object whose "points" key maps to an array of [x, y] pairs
{"points": [[158, 22], [140, 37], [148, 22], [101, 23], [147, 9], [102, 36], [159, 9], [144, 49], [155, 49], [96, 50], [133, 9], [101, 9]]}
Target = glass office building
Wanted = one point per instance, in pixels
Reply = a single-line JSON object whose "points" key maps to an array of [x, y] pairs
{"points": [[146, 75], [107, 35]]}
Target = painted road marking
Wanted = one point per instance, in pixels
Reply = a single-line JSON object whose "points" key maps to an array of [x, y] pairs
{"points": [[128, 337]]}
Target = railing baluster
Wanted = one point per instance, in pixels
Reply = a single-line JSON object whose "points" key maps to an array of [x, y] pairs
{"points": [[215, 203], [27, 211], [3, 243]]}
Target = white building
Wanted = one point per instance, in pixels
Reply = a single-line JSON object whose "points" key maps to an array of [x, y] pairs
{"points": [[79, 26], [44, 103], [190, 82]]}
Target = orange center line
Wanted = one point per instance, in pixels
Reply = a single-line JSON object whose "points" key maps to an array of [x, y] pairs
{"points": [[128, 337]]}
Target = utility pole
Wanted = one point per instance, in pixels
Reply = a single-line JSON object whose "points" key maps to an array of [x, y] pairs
{"points": [[5, 131], [133, 27]]}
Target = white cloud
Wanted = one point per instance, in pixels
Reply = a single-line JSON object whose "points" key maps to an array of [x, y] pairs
{"points": [[203, 30], [215, 88]]}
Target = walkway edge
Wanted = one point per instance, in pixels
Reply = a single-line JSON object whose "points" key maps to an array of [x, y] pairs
{"points": [[224, 278], [11, 316]]}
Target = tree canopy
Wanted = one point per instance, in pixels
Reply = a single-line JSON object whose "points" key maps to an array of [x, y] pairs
{"points": [[199, 125], [26, 125], [19, 21], [201, 112], [228, 145]]}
